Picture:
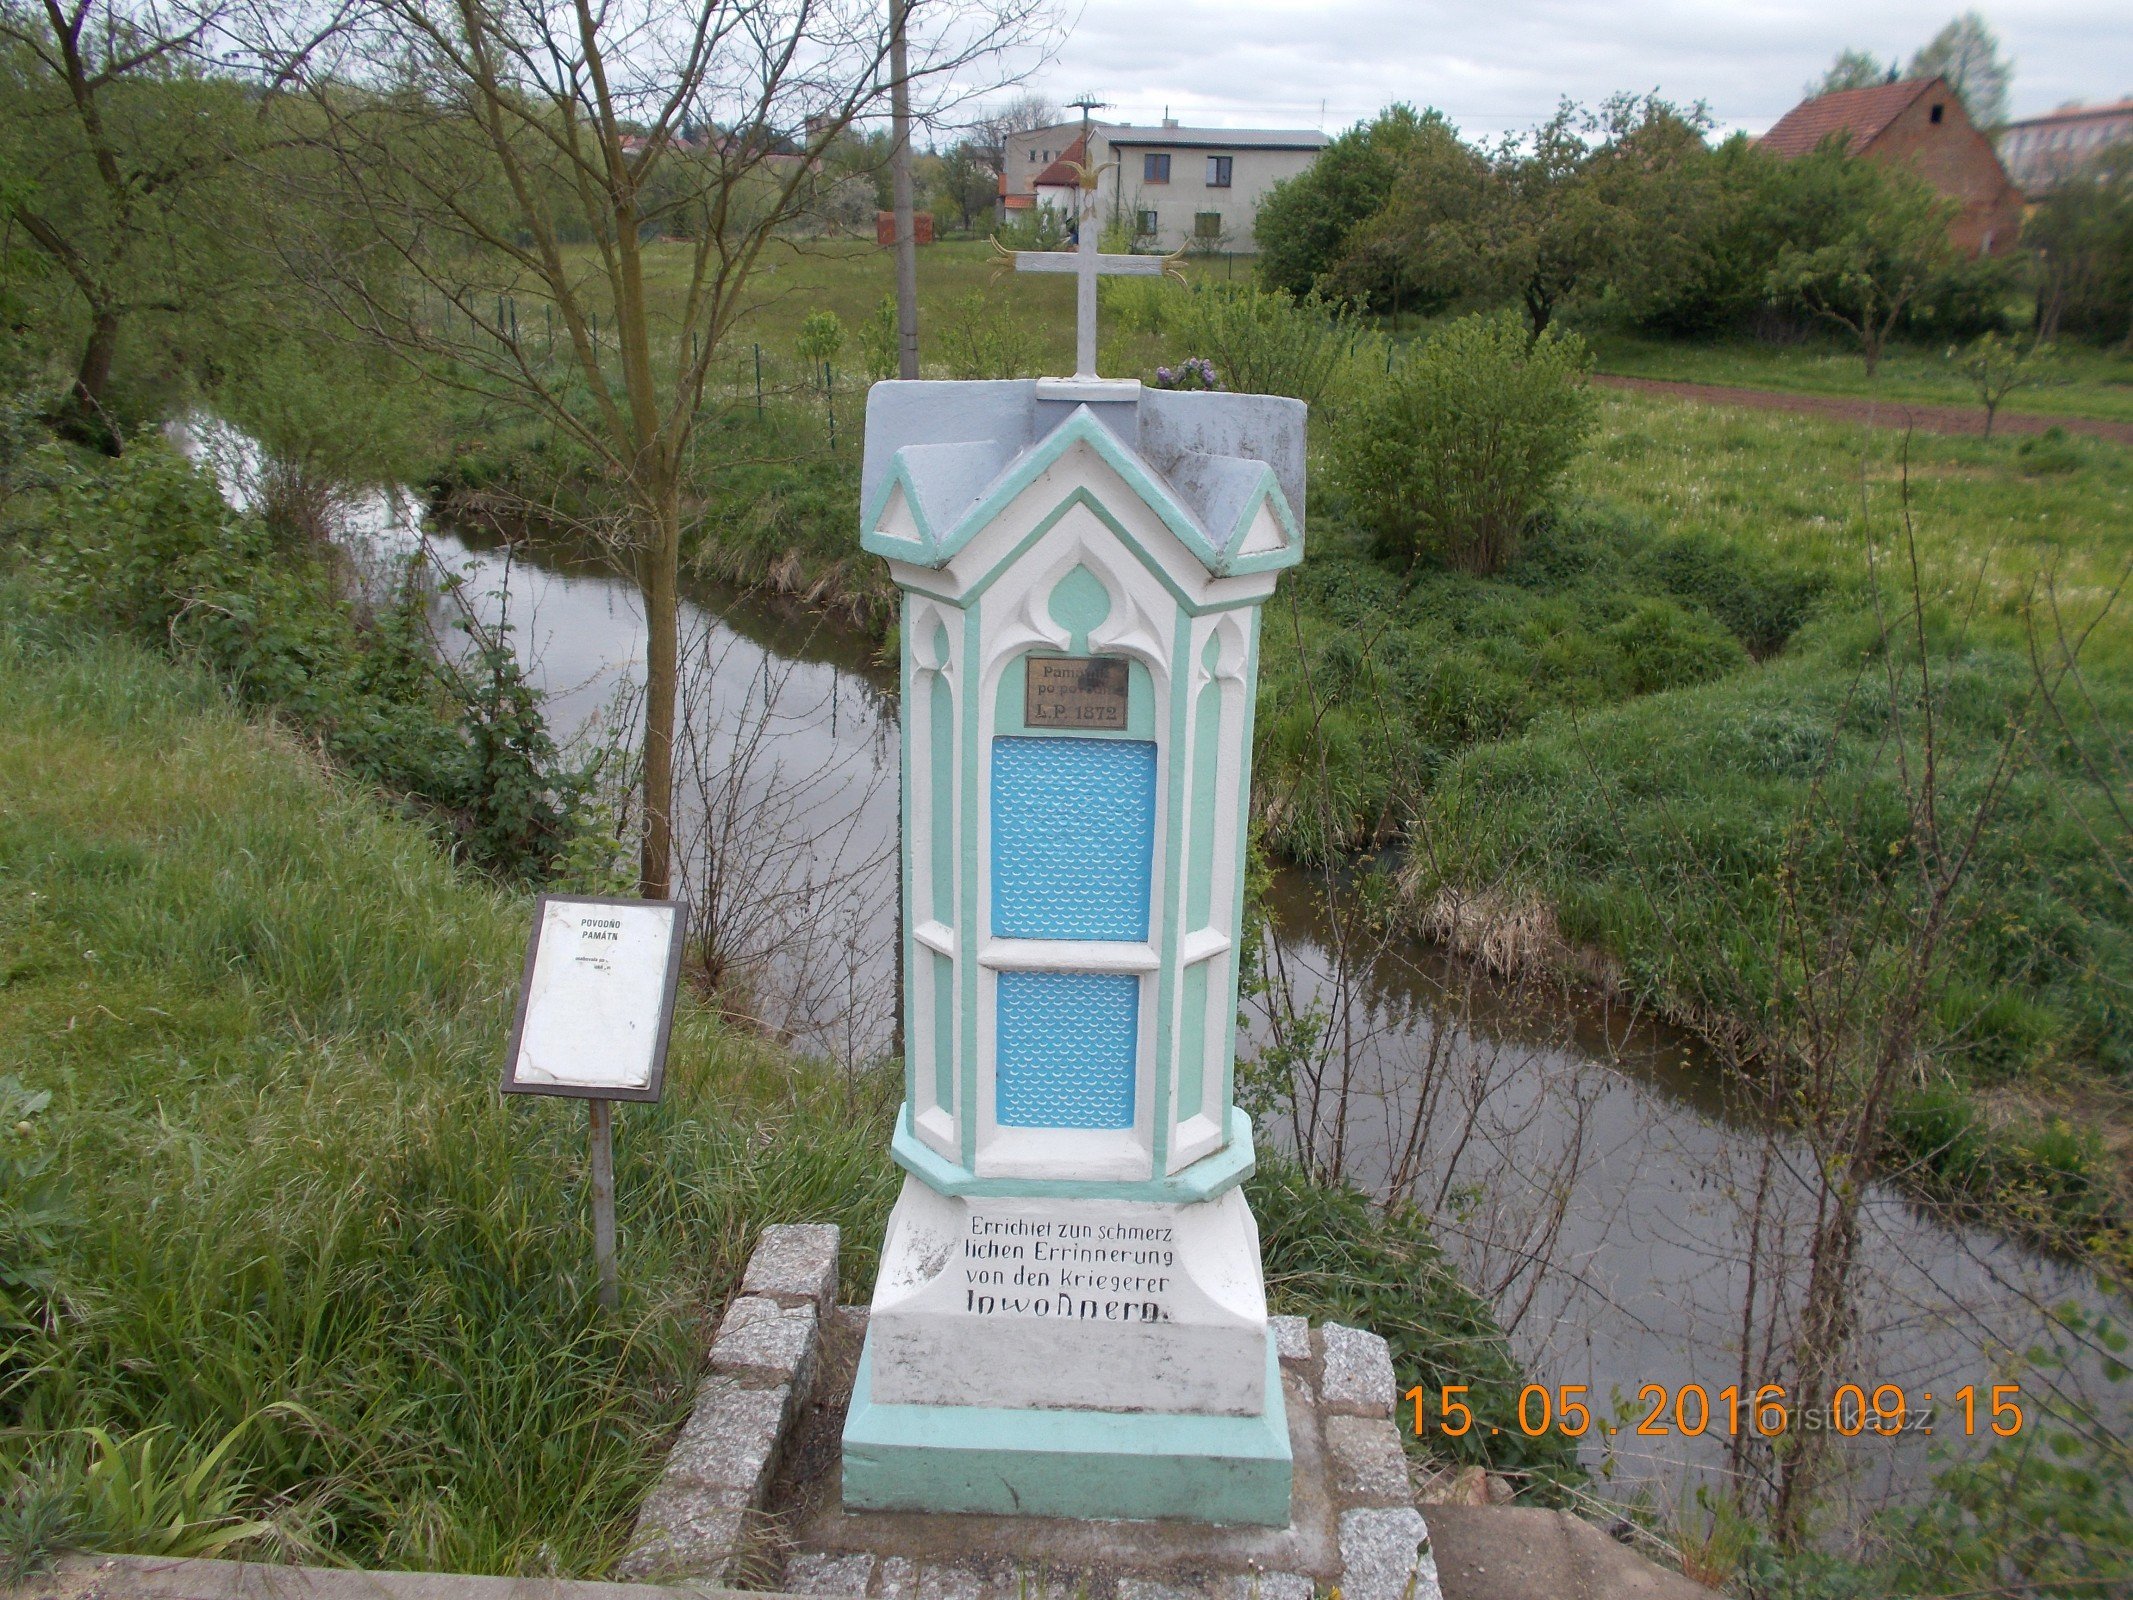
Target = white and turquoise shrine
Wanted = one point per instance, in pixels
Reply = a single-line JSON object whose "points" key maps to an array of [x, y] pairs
{"points": [[1070, 1315]]}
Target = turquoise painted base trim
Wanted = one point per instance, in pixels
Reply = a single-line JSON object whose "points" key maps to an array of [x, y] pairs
{"points": [[1207, 1177], [1094, 1465]]}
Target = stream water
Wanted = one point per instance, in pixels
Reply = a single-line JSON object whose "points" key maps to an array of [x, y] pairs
{"points": [[1578, 1166]]}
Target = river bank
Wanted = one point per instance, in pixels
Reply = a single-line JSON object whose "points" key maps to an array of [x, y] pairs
{"points": [[1586, 760], [267, 1224]]}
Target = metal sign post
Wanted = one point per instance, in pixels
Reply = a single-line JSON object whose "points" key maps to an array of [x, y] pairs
{"points": [[595, 1011]]}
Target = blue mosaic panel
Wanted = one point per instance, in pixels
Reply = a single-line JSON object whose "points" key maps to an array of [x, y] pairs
{"points": [[1067, 1045], [1073, 838]]}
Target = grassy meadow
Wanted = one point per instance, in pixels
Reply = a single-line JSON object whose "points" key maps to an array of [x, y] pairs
{"points": [[2083, 381], [1627, 724]]}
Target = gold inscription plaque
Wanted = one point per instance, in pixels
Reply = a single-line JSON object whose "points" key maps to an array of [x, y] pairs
{"points": [[1086, 693]]}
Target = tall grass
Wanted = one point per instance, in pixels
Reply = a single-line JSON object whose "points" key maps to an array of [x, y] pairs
{"points": [[270, 1015], [304, 1284]]}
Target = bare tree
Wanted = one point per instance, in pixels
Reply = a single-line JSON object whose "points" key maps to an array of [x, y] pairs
{"points": [[558, 205]]}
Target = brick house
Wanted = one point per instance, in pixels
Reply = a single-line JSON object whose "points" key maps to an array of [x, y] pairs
{"points": [[1920, 123]]}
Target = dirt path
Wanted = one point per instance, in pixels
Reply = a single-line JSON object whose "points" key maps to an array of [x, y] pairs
{"points": [[1884, 413]]}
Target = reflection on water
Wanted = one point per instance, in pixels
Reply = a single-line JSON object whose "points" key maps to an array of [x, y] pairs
{"points": [[1581, 1166]]}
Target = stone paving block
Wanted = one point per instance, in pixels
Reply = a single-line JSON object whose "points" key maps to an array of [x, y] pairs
{"points": [[762, 1344], [1292, 1337], [897, 1580], [730, 1442], [1369, 1467], [1383, 1556], [680, 1534], [1158, 1589], [816, 1573], [1358, 1378], [795, 1263], [951, 1583]]}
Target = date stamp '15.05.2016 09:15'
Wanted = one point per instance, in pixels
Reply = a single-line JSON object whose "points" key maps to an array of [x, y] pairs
{"points": [[1853, 1409]]}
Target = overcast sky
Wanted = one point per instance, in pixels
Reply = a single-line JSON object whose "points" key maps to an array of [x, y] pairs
{"points": [[1496, 65]]}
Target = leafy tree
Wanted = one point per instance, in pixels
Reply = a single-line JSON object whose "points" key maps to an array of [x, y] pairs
{"points": [[2082, 236], [1967, 53], [1852, 69], [120, 148], [1411, 252], [1719, 279], [1997, 366], [966, 183], [1304, 222], [1862, 243], [1654, 171], [1546, 231], [1466, 443]]}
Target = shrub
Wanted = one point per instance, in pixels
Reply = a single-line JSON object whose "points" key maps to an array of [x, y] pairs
{"points": [[146, 545], [1266, 343], [880, 341], [977, 340], [1460, 449]]}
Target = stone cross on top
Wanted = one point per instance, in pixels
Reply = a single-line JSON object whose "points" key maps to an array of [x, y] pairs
{"points": [[1087, 263]]}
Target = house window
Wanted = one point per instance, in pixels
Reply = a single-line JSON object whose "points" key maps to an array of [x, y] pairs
{"points": [[1218, 172], [1934, 115], [1207, 225], [1144, 224], [1155, 169]]}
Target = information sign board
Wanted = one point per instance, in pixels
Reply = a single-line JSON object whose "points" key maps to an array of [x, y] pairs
{"points": [[597, 1004]]}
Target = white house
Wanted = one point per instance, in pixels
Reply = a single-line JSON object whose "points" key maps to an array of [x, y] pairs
{"points": [[1172, 187]]}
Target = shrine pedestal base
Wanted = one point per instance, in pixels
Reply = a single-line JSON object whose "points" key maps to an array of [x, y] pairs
{"points": [[1098, 1465]]}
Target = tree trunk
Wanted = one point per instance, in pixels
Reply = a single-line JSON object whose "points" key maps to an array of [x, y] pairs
{"points": [[900, 195], [658, 579], [85, 420], [1539, 308]]}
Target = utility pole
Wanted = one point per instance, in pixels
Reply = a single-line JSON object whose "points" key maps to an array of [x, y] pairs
{"points": [[900, 193], [1087, 105]]}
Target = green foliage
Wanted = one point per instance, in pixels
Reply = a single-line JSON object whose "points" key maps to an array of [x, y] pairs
{"points": [[1996, 366], [1861, 243], [1466, 443], [1852, 69], [821, 337], [1264, 342], [139, 1495], [2082, 236], [881, 341], [2052, 453], [1372, 683], [1304, 221], [147, 545], [981, 339], [1038, 228]]}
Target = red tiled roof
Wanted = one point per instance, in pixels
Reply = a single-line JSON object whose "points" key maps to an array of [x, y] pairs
{"points": [[1861, 113], [1061, 174]]}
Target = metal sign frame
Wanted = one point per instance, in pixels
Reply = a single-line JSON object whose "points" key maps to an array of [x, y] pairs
{"points": [[656, 1083]]}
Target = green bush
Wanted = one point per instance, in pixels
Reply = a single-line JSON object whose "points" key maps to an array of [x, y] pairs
{"points": [[980, 340], [146, 545], [1465, 445], [1263, 342]]}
